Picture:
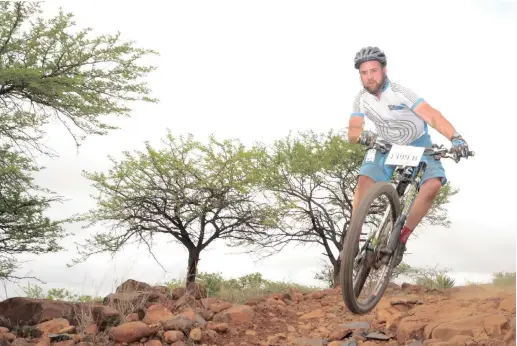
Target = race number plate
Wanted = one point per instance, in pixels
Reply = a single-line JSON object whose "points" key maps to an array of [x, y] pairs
{"points": [[405, 155]]}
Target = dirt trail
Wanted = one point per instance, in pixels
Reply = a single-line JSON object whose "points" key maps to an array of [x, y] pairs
{"points": [[473, 315], [141, 315]]}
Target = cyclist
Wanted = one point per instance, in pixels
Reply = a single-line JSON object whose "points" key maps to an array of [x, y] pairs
{"points": [[400, 117]]}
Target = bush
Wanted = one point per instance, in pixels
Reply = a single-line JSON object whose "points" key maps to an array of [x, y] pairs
{"points": [[431, 278], [503, 278]]}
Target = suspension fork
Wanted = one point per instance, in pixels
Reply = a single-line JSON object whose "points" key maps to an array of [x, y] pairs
{"points": [[407, 203]]}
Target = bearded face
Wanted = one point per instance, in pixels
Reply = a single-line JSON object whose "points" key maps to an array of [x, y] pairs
{"points": [[373, 76]]}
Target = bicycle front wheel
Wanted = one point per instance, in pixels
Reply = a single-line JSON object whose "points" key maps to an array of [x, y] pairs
{"points": [[350, 288]]}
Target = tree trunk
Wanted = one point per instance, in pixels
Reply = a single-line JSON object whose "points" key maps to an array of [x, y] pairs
{"points": [[337, 271], [193, 259]]}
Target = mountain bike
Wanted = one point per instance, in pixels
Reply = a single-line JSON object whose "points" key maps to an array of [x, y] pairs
{"points": [[383, 245]]}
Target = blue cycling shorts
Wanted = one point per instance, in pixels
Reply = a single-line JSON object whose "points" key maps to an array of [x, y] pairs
{"points": [[377, 170]]}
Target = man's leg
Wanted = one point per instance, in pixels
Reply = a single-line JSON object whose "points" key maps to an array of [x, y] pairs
{"points": [[363, 184], [432, 180], [423, 201], [372, 170]]}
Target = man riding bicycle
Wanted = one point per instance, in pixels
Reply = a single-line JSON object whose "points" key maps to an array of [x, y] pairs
{"points": [[400, 117]]}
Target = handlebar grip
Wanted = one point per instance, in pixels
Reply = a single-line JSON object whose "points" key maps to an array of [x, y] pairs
{"points": [[471, 153]]}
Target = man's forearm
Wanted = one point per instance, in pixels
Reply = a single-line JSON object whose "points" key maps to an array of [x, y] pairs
{"points": [[435, 119], [353, 135], [442, 125]]}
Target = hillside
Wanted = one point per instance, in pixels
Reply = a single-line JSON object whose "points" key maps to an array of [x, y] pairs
{"points": [[140, 314]]}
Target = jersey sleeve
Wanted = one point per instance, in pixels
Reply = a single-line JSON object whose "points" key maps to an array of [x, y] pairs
{"points": [[357, 108], [408, 96]]}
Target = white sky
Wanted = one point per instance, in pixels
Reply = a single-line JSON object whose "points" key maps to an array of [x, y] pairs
{"points": [[256, 70]]}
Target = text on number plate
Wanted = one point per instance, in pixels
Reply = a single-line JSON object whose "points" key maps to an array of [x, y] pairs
{"points": [[405, 155]]}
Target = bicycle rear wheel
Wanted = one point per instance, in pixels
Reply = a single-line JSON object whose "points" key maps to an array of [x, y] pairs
{"points": [[351, 290]]}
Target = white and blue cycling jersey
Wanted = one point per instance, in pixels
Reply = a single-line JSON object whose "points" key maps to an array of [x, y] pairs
{"points": [[392, 114]]}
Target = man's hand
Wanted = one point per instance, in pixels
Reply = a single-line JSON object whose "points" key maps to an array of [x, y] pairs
{"points": [[367, 138], [460, 147]]}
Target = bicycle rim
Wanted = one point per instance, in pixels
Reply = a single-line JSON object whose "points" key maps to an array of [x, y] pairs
{"points": [[351, 288]]}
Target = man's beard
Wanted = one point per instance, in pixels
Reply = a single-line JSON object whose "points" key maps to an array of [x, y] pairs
{"points": [[374, 89]]}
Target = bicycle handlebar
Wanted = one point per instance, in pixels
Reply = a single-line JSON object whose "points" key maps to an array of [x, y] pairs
{"points": [[436, 151]]}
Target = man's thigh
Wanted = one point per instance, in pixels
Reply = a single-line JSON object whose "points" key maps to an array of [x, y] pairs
{"points": [[374, 167], [434, 169]]}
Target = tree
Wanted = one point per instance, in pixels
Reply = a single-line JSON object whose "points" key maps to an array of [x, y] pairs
{"points": [[48, 72], [23, 226], [313, 179], [192, 192]]}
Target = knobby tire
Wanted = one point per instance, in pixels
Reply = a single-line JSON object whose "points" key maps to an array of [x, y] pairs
{"points": [[347, 260]]}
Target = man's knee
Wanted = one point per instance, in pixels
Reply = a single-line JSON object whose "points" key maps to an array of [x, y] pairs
{"points": [[430, 188], [364, 182]]}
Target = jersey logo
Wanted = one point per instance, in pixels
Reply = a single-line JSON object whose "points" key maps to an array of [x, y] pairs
{"points": [[396, 107]]}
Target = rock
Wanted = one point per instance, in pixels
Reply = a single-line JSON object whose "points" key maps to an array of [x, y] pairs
{"points": [[172, 336], [153, 343], [237, 314], [104, 315], [209, 336], [319, 313], [349, 342], [157, 313], [59, 337], [318, 294], [218, 307], [218, 327], [508, 304], [20, 342], [28, 311], [131, 285], [132, 332], [161, 290], [494, 324], [377, 336], [184, 301], [308, 342], [195, 334], [339, 333], [416, 343], [181, 323], [129, 302], [197, 290], [357, 325], [178, 292], [409, 329], [464, 326], [51, 327], [7, 336]]}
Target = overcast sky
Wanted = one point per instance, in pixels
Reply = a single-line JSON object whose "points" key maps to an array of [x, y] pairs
{"points": [[256, 70]]}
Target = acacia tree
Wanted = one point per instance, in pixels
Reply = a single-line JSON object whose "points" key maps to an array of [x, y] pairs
{"points": [[23, 226], [192, 192], [50, 72], [312, 179]]}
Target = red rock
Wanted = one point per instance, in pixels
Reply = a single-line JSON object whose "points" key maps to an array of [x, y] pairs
{"points": [[218, 307], [132, 332], [132, 286], [157, 313], [172, 336], [218, 327], [197, 290], [27, 311], [153, 343], [51, 327], [237, 314], [178, 292]]}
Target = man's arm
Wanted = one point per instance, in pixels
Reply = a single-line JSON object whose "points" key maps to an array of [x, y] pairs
{"points": [[355, 127], [435, 119]]}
